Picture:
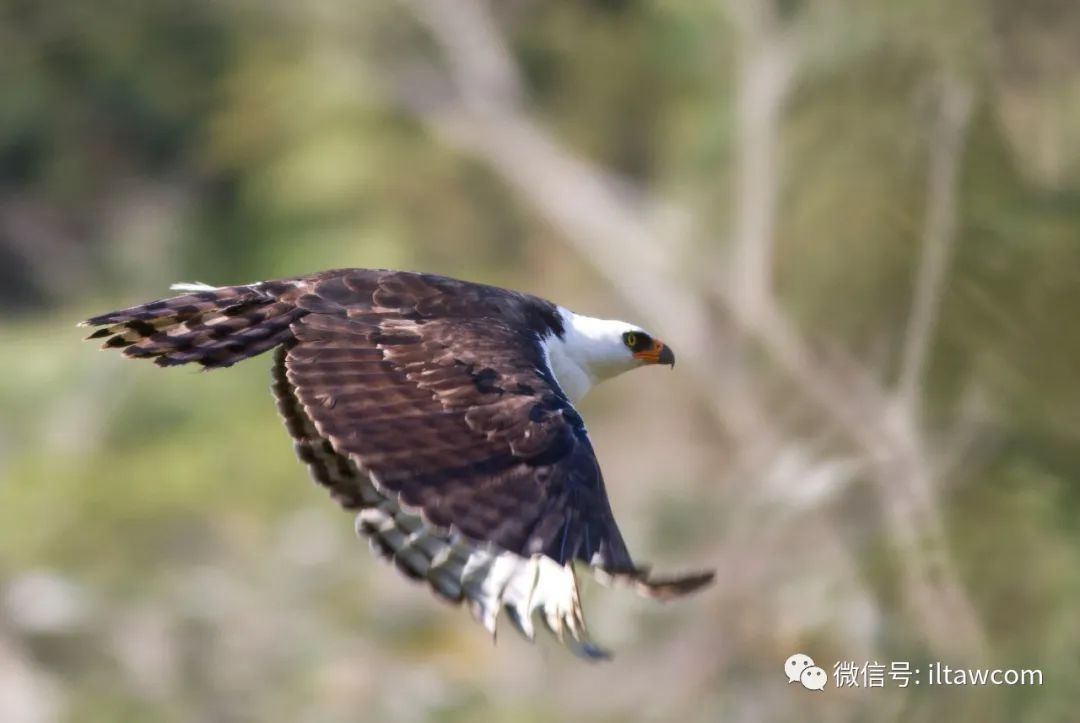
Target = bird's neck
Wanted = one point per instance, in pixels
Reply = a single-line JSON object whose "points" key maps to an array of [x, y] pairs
{"points": [[572, 373]]}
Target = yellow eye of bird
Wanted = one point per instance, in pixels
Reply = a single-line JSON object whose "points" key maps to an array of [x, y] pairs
{"points": [[631, 340]]}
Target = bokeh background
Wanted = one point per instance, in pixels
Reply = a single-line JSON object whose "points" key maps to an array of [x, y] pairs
{"points": [[858, 224]]}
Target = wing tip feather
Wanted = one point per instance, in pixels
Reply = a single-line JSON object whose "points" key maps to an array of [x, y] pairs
{"points": [[669, 588], [663, 589]]}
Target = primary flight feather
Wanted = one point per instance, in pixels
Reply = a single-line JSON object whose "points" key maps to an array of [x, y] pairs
{"points": [[441, 412]]}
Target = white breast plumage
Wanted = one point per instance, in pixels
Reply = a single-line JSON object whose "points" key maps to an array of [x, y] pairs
{"points": [[572, 377]]}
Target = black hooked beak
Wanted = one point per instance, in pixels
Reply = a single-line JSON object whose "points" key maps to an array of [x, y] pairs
{"points": [[657, 353], [667, 356]]}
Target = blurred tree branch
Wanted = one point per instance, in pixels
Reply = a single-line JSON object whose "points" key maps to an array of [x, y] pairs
{"points": [[618, 231], [767, 62], [939, 234]]}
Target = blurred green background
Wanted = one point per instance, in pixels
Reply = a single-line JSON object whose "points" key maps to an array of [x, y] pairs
{"points": [[858, 224]]}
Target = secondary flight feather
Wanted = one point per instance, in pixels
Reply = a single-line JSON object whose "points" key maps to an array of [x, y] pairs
{"points": [[441, 412]]}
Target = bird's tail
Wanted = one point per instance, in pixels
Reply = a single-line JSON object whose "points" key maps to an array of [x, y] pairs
{"points": [[211, 326]]}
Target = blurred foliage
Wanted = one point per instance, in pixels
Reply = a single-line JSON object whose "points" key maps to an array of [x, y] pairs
{"points": [[161, 555]]}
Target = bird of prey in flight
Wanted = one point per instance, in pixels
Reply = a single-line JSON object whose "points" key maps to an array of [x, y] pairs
{"points": [[442, 413]]}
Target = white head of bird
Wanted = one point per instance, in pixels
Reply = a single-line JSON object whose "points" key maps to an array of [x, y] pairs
{"points": [[592, 350]]}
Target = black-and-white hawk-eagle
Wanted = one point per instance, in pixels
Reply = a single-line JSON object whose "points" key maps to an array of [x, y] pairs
{"points": [[441, 412]]}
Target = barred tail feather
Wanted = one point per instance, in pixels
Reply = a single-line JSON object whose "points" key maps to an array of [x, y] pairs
{"points": [[214, 327]]}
